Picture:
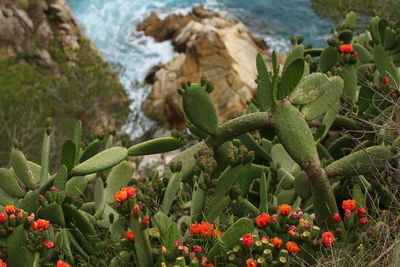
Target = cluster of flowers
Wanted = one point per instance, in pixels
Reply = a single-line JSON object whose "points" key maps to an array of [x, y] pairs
{"points": [[192, 255], [204, 229], [278, 236], [37, 235]]}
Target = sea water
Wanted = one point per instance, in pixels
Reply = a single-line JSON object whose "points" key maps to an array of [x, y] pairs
{"points": [[111, 25]]}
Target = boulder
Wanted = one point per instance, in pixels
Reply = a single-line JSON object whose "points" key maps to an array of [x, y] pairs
{"points": [[208, 44]]}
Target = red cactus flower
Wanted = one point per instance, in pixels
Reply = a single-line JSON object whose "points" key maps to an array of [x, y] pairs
{"points": [[284, 209], [385, 80], [361, 212], [363, 221], [292, 247], [206, 229], [121, 196], [346, 48], [349, 204], [130, 236], [3, 263], [195, 229], [48, 244], [146, 220], [251, 263], [263, 220], [210, 265], [277, 242], [247, 240], [10, 209], [3, 218], [197, 249], [328, 238], [336, 218], [61, 263]]}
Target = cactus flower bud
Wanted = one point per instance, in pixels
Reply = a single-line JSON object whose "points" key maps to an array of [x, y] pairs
{"points": [[336, 218], [361, 212], [363, 221]]}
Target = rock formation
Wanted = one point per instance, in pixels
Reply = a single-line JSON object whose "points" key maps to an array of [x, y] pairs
{"points": [[48, 68], [209, 44]]}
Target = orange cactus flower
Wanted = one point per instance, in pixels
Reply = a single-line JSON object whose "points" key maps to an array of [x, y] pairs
{"points": [[40, 224], [206, 229], [195, 229], [292, 247], [130, 191], [285, 209], [346, 48], [217, 234], [247, 240], [61, 263], [251, 263], [263, 220], [328, 238], [349, 204], [48, 244], [130, 236], [121, 196], [277, 242], [10, 209], [3, 263]]}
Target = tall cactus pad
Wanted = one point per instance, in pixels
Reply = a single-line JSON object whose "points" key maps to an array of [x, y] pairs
{"points": [[291, 78], [54, 213], [294, 133], [264, 86], [302, 185], [119, 177], [102, 161], [328, 59], [230, 239], [330, 94], [386, 67], [170, 192], [296, 52], [155, 146], [17, 253], [9, 184], [371, 159], [309, 89], [76, 217], [349, 77], [200, 109], [21, 168]]}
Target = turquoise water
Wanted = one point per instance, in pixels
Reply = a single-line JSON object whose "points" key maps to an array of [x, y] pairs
{"points": [[111, 24]]}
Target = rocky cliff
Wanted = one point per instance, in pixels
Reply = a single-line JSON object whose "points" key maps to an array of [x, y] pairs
{"points": [[208, 44], [49, 69]]}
